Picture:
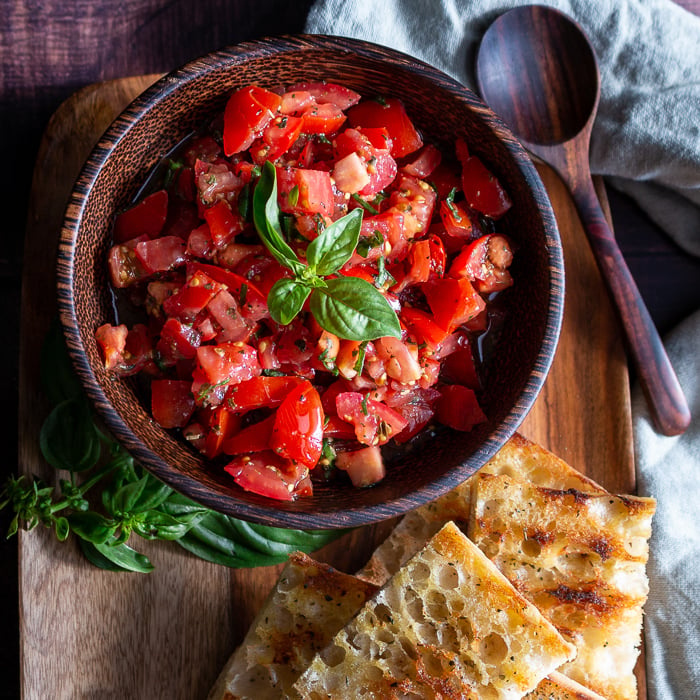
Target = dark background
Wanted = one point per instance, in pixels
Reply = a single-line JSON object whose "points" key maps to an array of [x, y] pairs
{"points": [[51, 48]]}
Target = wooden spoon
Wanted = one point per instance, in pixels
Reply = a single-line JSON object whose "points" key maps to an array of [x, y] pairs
{"points": [[538, 71]]}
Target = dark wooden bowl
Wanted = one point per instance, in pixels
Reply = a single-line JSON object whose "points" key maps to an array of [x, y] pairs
{"points": [[443, 109]]}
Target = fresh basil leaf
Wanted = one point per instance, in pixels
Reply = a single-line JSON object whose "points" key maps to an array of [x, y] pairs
{"points": [[352, 308], [126, 498], [158, 525], [98, 559], [331, 249], [92, 526], [154, 493], [286, 299], [62, 529], [266, 217], [125, 557], [68, 438]]}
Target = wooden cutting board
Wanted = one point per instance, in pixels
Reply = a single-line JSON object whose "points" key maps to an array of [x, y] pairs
{"points": [[86, 633]]}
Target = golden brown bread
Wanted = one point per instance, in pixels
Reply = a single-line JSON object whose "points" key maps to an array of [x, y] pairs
{"points": [[581, 559], [308, 605], [446, 625], [559, 687], [518, 457]]}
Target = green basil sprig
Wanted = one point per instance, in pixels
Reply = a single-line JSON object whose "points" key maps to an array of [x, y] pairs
{"points": [[348, 307], [109, 498]]}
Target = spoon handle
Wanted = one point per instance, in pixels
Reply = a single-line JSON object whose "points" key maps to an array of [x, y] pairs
{"points": [[656, 375]]}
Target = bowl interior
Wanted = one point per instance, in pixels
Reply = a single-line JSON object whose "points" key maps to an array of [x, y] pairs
{"points": [[442, 109]]}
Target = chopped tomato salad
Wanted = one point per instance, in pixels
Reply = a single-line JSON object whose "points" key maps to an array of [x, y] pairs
{"points": [[248, 340]]}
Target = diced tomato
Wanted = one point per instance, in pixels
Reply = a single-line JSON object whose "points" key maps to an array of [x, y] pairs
{"points": [[438, 256], [224, 224], [172, 403], [456, 220], [374, 422], [125, 351], [178, 341], [248, 111], [253, 438], [125, 267], [338, 429], [225, 310], [296, 101], [417, 266], [422, 327], [459, 368], [323, 92], [458, 408], [389, 113], [483, 190], [268, 474], [216, 181], [417, 406], [365, 467], [350, 174], [252, 303], [260, 392], [323, 119], [222, 425], [304, 191], [298, 430], [368, 150], [226, 364], [161, 254], [192, 297], [145, 218], [400, 359], [199, 242], [415, 199], [280, 135], [232, 254], [486, 262], [425, 162], [452, 301]]}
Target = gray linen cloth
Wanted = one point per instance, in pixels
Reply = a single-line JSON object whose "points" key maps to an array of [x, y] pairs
{"points": [[646, 141]]}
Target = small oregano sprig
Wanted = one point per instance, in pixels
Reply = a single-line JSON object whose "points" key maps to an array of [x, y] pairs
{"points": [[348, 307], [108, 497]]}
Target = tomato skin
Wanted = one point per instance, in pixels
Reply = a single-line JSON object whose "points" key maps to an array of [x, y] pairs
{"points": [[485, 261], [161, 254], [268, 474], [298, 430], [452, 301], [253, 438], [111, 340], [172, 403], [125, 351], [458, 408], [226, 364], [224, 225], [248, 111], [482, 189], [323, 119], [260, 392], [423, 328], [417, 407], [374, 422], [314, 191], [390, 114], [459, 368], [323, 92], [178, 341], [147, 217], [221, 426], [365, 467]]}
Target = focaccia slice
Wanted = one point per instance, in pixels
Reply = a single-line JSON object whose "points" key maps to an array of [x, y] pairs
{"points": [[309, 603], [581, 559], [447, 624], [559, 687], [519, 457]]}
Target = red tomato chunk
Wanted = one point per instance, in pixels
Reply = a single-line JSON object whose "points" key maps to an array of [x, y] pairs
{"points": [[278, 406]]}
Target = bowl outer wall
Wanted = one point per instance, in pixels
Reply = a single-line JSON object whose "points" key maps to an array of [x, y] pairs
{"points": [[160, 118]]}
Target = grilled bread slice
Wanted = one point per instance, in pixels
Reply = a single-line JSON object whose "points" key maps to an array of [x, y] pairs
{"points": [[581, 559], [559, 687], [447, 624], [308, 605], [519, 457]]}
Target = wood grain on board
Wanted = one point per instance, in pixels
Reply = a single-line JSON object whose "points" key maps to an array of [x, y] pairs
{"points": [[86, 633]]}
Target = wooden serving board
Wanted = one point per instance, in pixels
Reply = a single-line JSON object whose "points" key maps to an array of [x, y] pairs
{"points": [[86, 633]]}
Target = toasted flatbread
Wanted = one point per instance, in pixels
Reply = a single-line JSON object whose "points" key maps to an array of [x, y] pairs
{"points": [[559, 687], [519, 458], [447, 624], [308, 605], [581, 559]]}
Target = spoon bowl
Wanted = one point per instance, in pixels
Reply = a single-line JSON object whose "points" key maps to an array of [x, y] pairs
{"points": [[537, 69]]}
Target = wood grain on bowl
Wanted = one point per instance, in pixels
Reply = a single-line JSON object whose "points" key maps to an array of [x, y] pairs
{"points": [[175, 105]]}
